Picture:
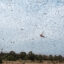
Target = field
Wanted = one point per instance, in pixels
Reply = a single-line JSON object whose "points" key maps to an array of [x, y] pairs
{"points": [[30, 62]]}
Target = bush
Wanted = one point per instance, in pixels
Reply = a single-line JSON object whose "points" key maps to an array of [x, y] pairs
{"points": [[0, 60]]}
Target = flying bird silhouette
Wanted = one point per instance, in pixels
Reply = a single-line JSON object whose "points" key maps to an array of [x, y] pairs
{"points": [[41, 35]]}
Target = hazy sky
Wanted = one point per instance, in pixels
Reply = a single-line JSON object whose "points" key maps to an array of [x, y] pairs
{"points": [[22, 22]]}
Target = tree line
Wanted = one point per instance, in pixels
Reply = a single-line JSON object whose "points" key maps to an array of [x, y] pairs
{"points": [[12, 56]]}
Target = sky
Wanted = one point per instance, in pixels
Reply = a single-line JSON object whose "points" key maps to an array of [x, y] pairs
{"points": [[22, 22]]}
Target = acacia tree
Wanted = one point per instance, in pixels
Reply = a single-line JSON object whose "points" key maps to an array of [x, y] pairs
{"points": [[60, 58], [11, 56], [55, 58], [40, 58], [51, 57], [31, 56], [23, 55]]}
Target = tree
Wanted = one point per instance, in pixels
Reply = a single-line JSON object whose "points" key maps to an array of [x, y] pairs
{"points": [[60, 58], [55, 58], [12, 53], [45, 57], [40, 58], [23, 55], [31, 56], [51, 57], [11, 56], [0, 60]]}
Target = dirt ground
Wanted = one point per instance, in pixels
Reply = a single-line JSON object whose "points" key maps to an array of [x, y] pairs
{"points": [[24, 62]]}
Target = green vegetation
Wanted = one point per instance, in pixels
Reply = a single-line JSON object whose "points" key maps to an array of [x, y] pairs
{"points": [[0, 60], [12, 56]]}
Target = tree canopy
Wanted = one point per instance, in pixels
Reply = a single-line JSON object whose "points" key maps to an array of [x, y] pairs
{"points": [[12, 56]]}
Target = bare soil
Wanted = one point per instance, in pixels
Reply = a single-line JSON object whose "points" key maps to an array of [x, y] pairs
{"points": [[29, 62]]}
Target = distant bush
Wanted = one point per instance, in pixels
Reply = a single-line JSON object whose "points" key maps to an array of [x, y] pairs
{"points": [[12, 56], [0, 60]]}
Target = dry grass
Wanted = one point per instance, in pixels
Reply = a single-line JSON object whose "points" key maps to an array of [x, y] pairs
{"points": [[29, 62]]}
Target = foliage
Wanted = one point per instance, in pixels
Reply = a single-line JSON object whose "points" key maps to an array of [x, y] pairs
{"points": [[12, 56], [0, 60]]}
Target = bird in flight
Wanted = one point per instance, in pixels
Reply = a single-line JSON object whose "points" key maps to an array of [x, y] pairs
{"points": [[42, 35]]}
